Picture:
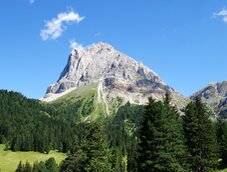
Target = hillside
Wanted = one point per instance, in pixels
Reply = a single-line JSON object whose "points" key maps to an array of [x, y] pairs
{"points": [[215, 97], [29, 125]]}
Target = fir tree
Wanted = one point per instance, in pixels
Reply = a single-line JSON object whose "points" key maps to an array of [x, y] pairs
{"points": [[161, 147], [20, 167], [35, 167], [27, 167], [51, 165], [222, 141], [91, 154], [199, 137]]}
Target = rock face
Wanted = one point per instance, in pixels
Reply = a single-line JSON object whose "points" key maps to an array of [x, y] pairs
{"points": [[215, 97], [116, 75]]}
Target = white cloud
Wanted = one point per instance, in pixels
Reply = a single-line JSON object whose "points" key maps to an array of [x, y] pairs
{"points": [[31, 1], [55, 27], [223, 14], [76, 45]]}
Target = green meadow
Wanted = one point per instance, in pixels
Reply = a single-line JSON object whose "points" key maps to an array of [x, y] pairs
{"points": [[9, 160]]}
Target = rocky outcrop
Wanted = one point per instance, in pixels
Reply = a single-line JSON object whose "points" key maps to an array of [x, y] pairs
{"points": [[120, 76], [215, 97]]}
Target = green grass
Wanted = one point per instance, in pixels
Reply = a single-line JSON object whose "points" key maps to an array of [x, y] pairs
{"points": [[82, 102], [77, 93], [9, 160]]}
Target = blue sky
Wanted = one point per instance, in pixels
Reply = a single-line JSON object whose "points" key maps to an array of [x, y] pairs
{"points": [[184, 41]]}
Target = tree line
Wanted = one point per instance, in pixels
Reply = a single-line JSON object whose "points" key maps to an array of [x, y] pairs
{"points": [[154, 137], [164, 141], [49, 165], [29, 125]]}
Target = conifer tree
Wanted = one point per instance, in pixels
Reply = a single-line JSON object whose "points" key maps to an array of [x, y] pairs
{"points": [[51, 165], [36, 167], [199, 137], [39, 167], [161, 147], [27, 167], [92, 153], [222, 141], [20, 167]]}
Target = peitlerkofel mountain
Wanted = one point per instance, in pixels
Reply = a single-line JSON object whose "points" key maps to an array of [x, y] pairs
{"points": [[113, 75]]}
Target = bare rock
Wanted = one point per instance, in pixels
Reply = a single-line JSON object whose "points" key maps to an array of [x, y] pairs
{"points": [[214, 96], [120, 75]]}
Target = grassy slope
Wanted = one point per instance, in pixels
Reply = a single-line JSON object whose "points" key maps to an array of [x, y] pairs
{"points": [[77, 93], [85, 94], [85, 99], [9, 160]]}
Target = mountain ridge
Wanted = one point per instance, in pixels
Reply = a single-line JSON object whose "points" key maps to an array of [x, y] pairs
{"points": [[116, 75], [214, 96]]}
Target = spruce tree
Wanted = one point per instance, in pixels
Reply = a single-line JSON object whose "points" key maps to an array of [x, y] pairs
{"points": [[39, 167], [20, 167], [27, 167], [92, 153], [199, 137], [51, 165], [161, 147], [222, 141], [36, 167]]}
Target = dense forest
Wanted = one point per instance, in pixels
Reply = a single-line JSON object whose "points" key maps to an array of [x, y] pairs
{"points": [[154, 137], [27, 125]]}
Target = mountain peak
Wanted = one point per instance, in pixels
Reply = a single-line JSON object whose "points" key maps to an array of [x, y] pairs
{"points": [[80, 50], [219, 89], [100, 45], [115, 74], [214, 96]]}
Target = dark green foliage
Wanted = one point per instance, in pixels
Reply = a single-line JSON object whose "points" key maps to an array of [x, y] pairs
{"points": [[222, 141], [122, 131], [26, 125], [161, 147], [90, 153], [75, 110], [24, 167], [27, 167], [49, 165], [199, 137], [111, 144], [39, 167], [20, 167]]}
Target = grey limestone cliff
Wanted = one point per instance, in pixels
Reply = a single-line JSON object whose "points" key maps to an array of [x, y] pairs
{"points": [[116, 75], [215, 97]]}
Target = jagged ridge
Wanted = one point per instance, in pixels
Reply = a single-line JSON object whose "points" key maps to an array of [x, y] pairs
{"points": [[215, 97], [116, 75]]}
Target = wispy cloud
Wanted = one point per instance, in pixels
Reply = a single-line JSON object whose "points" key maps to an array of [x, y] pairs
{"points": [[223, 14], [55, 27], [31, 1], [76, 45]]}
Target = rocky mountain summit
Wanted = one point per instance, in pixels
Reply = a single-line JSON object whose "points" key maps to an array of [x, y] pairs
{"points": [[215, 97], [115, 74]]}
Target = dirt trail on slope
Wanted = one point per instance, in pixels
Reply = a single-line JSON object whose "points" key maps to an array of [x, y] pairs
{"points": [[102, 97]]}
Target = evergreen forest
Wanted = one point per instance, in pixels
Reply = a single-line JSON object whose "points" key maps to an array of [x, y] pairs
{"points": [[156, 137]]}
